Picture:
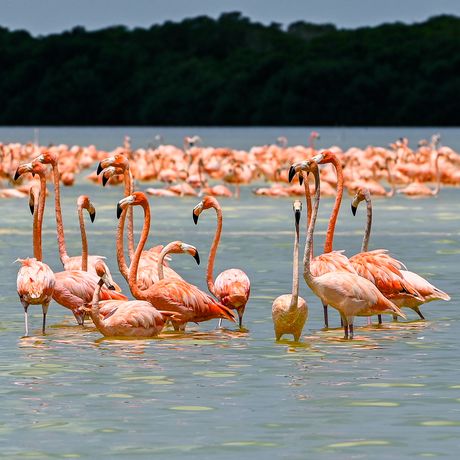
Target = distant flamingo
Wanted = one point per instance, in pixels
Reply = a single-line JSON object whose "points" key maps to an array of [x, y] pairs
{"points": [[405, 296], [377, 266], [348, 293], [134, 318], [289, 311], [169, 294], [35, 281], [329, 261], [232, 287]]}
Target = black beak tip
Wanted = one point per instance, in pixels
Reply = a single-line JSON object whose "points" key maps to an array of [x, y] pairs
{"points": [[104, 180], [195, 218], [297, 217], [31, 207], [112, 287], [197, 258], [353, 209], [119, 210], [17, 175], [92, 216], [291, 173], [300, 179], [99, 169]]}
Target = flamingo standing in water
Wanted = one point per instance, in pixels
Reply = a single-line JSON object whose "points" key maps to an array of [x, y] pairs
{"points": [[35, 281], [377, 266], [169, 294], [232, 287], [348, 293], [290, 311], [69, 263], [329, 261], [405, 296]]}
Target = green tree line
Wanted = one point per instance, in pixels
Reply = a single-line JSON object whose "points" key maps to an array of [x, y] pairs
{"points": [[232, 71]]}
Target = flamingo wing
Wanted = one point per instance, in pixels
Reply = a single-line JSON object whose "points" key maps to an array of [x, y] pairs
{"points": [[331, 262]]}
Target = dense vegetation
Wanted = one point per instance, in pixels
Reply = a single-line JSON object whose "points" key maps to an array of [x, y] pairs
{"points": [[232, 71]]}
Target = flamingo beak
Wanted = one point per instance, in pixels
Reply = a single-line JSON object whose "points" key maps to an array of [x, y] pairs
{"points": [[318, 158], [292, 173], [300, 179], [353, 209], [92, 214], [17, 175], [196, 256], [297, 216], [354, 205], [108, 282], [99, 169], [197, 211], [31, 207], [122, 203], [119, 210], [105, 179]]}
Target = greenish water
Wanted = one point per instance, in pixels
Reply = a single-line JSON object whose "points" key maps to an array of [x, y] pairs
{"points": [[394, 392]]}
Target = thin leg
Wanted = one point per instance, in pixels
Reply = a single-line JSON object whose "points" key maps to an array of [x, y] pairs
{"points": [[419, 313], [380, 319], [345, 327], [219, 324], [45, 311], [26, 321], [326, 316], [395, 318], [240, 318], [350, 327]]}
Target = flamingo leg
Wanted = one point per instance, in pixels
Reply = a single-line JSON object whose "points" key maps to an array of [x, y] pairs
{"points": [[380, 319], [26, 321], [219, 324], [350, 327], [419, 313], [345, 327], [326, 316], [45, 311], [395, 318]]}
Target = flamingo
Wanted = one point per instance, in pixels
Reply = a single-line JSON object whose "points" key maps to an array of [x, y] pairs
{"points": [[348, 293], [377, 266], [405, 297], [169, 294], [290, 311], [329, 261], [35, 281], [232, 287], [134, 318], [69, 263]]}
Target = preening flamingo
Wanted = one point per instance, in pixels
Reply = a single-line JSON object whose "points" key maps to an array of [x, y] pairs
{"points": [[232, 287], [134, 318], [169, 294], [329, 261], [377, 266], [406, 297], [290, 311], [348, 293], [35, 282]]}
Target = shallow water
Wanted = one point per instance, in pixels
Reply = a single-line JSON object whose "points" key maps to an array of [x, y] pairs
{"points": [[392, 392]]}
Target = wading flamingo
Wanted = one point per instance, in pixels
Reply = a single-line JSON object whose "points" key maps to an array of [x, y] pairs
{"points": [[329, 261], [169, 294], [348, 293], [69, 263], [35, 282], [232, 287], [425, 290], [377, 266], [133, 318], [290, 311]]}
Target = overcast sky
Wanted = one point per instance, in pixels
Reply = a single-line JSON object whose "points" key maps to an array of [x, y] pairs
{"points": [[48, 16]]}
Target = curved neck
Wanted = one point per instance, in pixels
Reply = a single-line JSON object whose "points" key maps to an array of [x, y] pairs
{"points": [[84, 240], [213, 251], [309, 278], [438, 176], [129, 189], [37, 226], [122, 266], [367, 232], [295, 269], [309, 210], [36, 237], [335, 210], [161, 258], [132, 280], [95, 316], [59, 223]]}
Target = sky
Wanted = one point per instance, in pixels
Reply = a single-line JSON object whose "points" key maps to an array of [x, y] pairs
{"points": [[42, 17]]}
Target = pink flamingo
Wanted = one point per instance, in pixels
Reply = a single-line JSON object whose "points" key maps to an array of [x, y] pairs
{"points": [[232, 287], [35, 281], [169, 294], [289, 311], [405, 296], [329, 261], [348, 293]]}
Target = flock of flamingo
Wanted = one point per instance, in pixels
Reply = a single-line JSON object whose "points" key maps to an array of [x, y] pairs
{"points": [[369, 283]]}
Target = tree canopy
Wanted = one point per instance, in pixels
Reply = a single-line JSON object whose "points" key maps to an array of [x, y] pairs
{"points": [[231, 71]]}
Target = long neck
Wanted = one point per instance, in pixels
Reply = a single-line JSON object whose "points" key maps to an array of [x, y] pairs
{"points": [[438, 176], [84, 240], [41, 213], [295, 269], [335, 210], [213, 251], [367, 232], [122, 266], [129, 189], [59, 223], [161, 258], [132, 280], [36, 237], [309, 278], [95, 316], [309, 210]]}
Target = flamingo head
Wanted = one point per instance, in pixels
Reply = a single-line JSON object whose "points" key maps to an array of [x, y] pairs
{"points": [[206, 203], [179, 247], [103, 275], [137, 198], [361, 194], [118, 161], [84, 202], [32, 167], [297, 168], [297, 208], [109, 172], [48, 157], [326, 156]]}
